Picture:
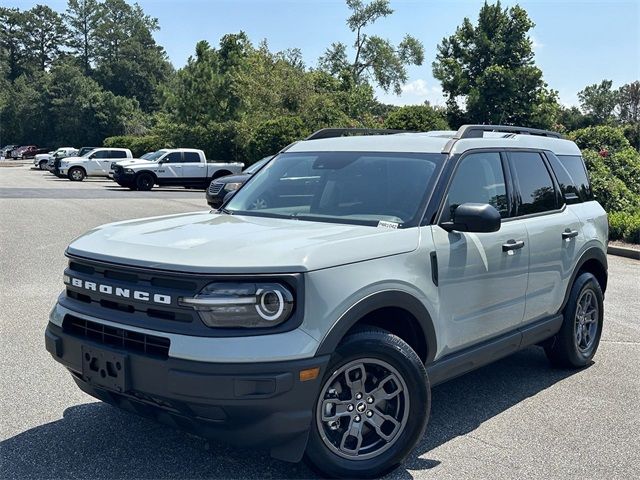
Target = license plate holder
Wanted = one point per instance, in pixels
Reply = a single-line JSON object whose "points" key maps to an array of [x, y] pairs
{"points": [[105, 368]]}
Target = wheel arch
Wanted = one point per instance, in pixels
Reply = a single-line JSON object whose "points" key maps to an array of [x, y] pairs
{"points": [[78, 166], [396, 311], [593, 260]]}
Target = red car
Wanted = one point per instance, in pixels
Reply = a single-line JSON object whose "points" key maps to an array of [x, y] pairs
{"points": [[25, 151]]}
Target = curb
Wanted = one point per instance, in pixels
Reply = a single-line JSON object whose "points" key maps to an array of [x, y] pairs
{"points": [[624, 252]]}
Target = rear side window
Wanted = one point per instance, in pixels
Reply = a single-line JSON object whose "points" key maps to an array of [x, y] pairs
{"points": [[537, 193], [578, 172], [479, 178], [191, 157], [118, 154]]}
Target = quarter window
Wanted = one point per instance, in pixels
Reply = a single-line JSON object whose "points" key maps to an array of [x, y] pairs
{"points": [[575, 166], [537, 193], [479, 178], [118, 154]]}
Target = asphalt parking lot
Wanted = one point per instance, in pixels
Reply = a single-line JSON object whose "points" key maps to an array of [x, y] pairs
{"points": [[517, 418]]}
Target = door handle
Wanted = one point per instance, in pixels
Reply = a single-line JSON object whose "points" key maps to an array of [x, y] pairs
{"points": [[512, 245], [569, 234]]}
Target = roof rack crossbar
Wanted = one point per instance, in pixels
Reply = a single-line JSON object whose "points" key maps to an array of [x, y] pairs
{"points": [[477, 131], [341, 132]]}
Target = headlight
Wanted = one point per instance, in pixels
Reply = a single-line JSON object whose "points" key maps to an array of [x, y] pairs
{"points": [[245, 305], [230, 187], [129, 170]]}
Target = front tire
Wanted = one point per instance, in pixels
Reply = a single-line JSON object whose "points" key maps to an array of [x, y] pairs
{"points": [[577, 341], [43, 164], [76, 174], [372, 408], [145, 182]]}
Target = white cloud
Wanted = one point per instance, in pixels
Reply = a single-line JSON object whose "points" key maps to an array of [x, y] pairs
{"points": [[413, 93]]}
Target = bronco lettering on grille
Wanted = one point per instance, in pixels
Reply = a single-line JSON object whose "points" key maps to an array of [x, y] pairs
{"points": [[119, 292]]}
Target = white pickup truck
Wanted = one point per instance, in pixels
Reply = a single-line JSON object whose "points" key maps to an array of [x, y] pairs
{"points": [[185, 167], [95, 163]]}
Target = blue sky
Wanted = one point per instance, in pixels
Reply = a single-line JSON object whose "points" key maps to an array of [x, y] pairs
{"points": [[577, 43]]}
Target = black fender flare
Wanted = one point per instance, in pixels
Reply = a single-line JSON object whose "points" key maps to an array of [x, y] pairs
{"points": [[591, 253], [376, 301]]}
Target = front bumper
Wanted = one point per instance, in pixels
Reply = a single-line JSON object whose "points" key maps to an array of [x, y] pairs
{"points": [[260, 404], [124, 179]]}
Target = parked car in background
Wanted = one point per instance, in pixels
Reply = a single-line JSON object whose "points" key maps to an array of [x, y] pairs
{"points": [[54, 165], [149, 156], [185, 167], [42, 160], [220, 187], [95, 163], [6, 150], [25, 151]]}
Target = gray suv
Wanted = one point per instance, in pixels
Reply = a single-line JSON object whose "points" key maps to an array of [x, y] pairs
{"points": [[316, 324]]}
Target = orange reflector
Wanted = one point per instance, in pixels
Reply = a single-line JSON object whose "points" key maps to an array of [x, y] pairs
{"points": [[309, 374]]}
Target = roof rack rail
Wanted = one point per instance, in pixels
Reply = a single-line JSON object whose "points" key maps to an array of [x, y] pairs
{"points": [[341, 132], [477, 131]]}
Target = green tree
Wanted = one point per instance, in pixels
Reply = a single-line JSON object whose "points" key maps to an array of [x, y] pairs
{"points": [[418, 118], [599, 101], [45, 35], [128, 61], [629, 102], [12, 41], [490, 68], [82, 18], [375, 58]]}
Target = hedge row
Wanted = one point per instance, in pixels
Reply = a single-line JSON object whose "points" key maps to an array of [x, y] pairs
{"points": [[624, 226]]}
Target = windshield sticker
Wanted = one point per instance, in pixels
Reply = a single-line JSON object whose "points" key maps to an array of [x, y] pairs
{"points": [[391, 225]]}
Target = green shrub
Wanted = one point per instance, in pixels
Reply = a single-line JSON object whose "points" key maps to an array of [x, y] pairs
{"points": [[625, 226], [271, 136], [632, 132], [139, 145], [419, 118], [612, 192], [602, 137]]}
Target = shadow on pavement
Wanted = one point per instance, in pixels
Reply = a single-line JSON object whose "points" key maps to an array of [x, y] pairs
{"points": [[98, 441]]}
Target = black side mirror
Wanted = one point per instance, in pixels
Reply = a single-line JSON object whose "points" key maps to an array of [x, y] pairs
{"points": [[474, 217]]}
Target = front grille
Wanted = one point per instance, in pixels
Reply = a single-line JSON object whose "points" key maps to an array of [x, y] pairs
{"points": [[116, 337], [124, 280], [215, 188]]}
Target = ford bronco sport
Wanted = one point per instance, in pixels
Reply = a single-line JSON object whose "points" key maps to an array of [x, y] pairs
{"points": [[317, 324]]}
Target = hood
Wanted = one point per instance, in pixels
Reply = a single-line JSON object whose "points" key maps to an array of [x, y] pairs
{"points": [[74, 159], [133, 161], [240, 177], [210, 243]]}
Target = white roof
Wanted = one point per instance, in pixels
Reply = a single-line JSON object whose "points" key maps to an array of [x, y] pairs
{"points": [[434, 142]]}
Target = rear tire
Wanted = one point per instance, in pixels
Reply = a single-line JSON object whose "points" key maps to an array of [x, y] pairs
{"points": [[364, 429], [76, 174], [145, 182], [577, 341]]}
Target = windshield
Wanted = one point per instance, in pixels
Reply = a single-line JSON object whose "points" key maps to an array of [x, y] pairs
{"points": [[154, 156], [347, 187], [256, 166]]}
